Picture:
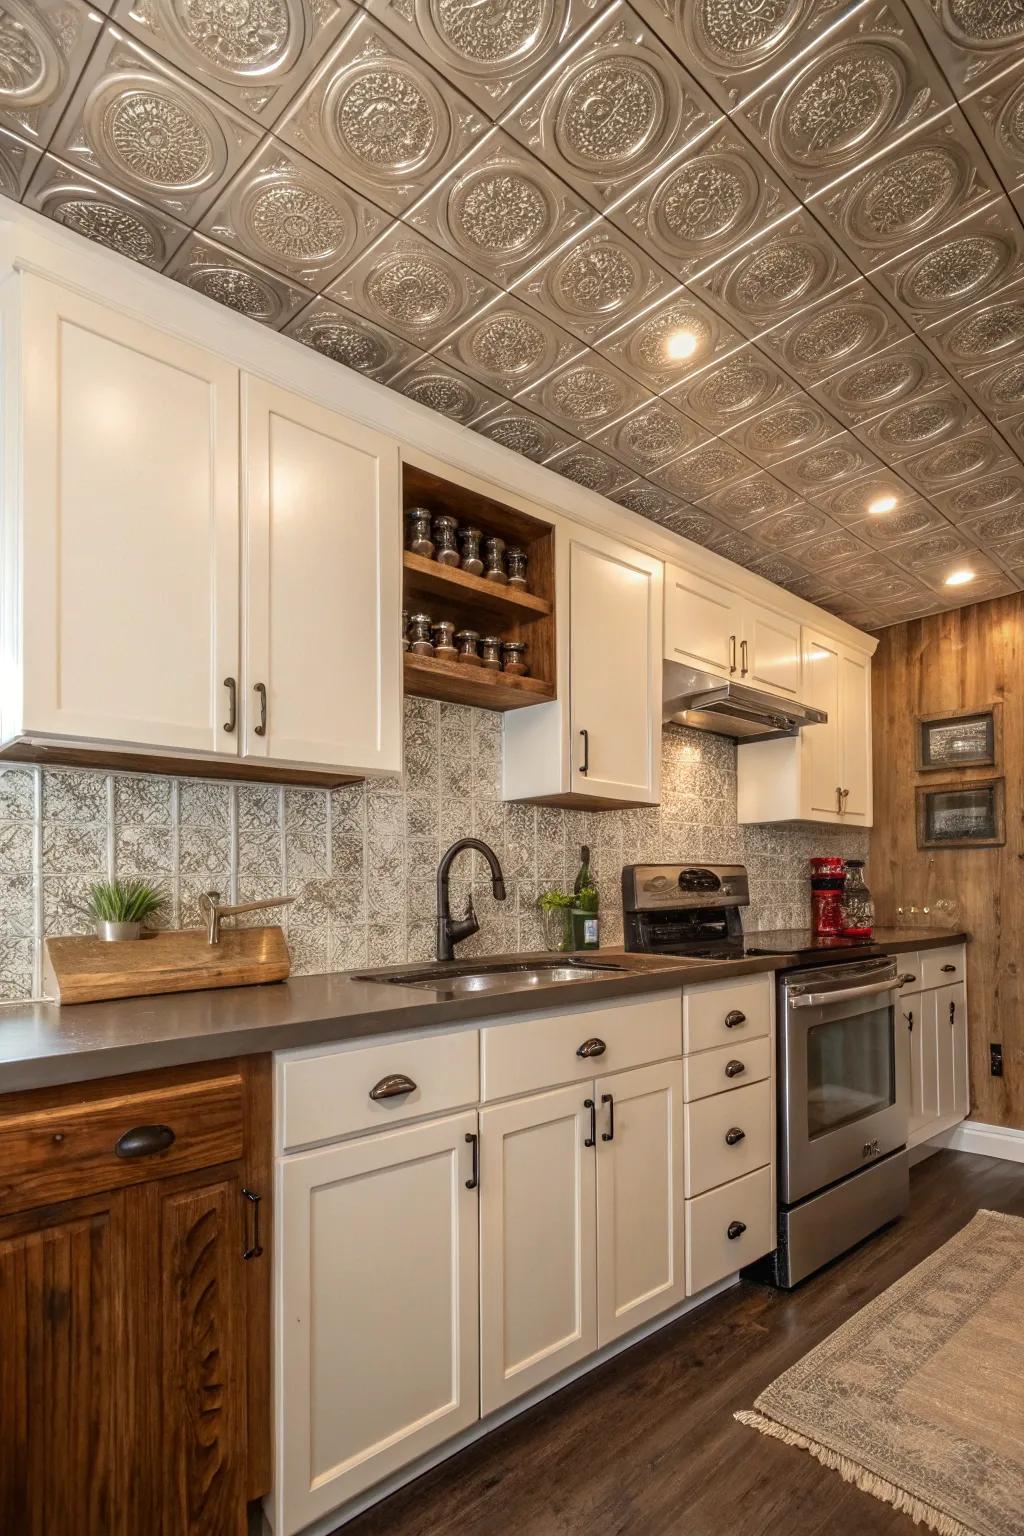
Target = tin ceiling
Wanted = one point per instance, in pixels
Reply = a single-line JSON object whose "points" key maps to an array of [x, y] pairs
{"points": [[753, 268]]}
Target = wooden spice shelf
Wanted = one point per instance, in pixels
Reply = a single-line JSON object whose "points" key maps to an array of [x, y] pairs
{"points": [[451, 583], [456, 683]]}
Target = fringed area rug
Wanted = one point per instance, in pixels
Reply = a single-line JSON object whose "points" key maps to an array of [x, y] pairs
{"points": [[919, 1398]]}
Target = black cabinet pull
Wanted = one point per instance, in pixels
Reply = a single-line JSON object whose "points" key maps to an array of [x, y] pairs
{"points": [[906, 978], [232, 719], [952, 1015], [392, 1087], [585, 768], [592, 1047], [591, 1140], [255, 1248], [261, 690], [144, 1141], [910, 1020], [609, 1134], [473, 1182], [949, 969], [734, 1017], [734, 1068], [734, 1136], [735, 1229]]}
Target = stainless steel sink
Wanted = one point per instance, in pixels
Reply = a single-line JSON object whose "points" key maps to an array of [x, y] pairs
{"points": [[450, 981]]}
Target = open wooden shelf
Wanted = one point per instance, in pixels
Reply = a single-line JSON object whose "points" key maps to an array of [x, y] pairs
{"points": [[452, 584], [431, 678]]}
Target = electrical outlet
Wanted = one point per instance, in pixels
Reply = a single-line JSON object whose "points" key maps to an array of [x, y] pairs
{"points": [[995, 1057]]}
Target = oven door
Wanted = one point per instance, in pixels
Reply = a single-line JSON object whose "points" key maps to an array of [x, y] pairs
{"points": [[844, 1089]]}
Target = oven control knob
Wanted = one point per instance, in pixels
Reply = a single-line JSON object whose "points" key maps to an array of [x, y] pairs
{"points": [[734, 1017], [734, 1136], [735, 1229]]}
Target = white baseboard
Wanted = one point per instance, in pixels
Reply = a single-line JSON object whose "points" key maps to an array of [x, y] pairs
{"points": [[987, 1140]]}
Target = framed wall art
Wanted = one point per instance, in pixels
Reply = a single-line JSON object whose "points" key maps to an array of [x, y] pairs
{"points": [[961, 815], [959, 738]]}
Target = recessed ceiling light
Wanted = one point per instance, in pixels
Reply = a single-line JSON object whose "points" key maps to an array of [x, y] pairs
{"points": [[881, 504], [958, 578], [680, 345]]}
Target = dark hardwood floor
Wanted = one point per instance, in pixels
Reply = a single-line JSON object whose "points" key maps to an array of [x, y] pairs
{"points": [[646, 1445]]}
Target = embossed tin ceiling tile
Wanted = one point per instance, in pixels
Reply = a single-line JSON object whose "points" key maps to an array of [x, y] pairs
{"points": [[872, 579], [524, 433], [869, 83], [617, 105], [749, 501], [740, 386], [701, 527], [813, 589], [440, 388], [378, 117], [831, 549], [792, 266], [983, 334], [349, 339], [43, 48], [595, 283], [958, 267], [906, 522], [932, 549], [584, 396], [849, 503], [508, 346], [591, 468], [1000, 389], [986, 575], [968, 457], [285, 212], [704, 204], [110, 218], [734, 546], [904, 371], [1013, 430], [704, 469], [972, 39], [996, 113], [501, 211], [784, 430], [783, 529], [241, 285], [918, 187], [650, 436], [135, 123], [648, 501], [778, 568], [840, 459], [1011, 551], [669, 343], [409, 286], [255, 55], [982, 495], [17, 162], [918, 423], [992, 528], [835, 334]]}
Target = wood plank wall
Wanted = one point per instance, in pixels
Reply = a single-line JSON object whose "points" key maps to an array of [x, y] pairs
{"points": [[960, 660]]}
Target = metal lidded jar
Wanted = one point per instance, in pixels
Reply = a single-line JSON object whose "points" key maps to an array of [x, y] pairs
{"points": [[515, 560], [444, 642], [490, 652], [494, 558], [444, 539], [419, 635], [418, 537], [467, 640], [469, 548], [512, 652]]}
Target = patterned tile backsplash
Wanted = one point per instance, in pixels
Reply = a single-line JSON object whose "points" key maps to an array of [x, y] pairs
{"points": [[362, 859]]}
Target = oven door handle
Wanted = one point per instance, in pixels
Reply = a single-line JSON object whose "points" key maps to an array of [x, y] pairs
{"points": [[816, 999]]}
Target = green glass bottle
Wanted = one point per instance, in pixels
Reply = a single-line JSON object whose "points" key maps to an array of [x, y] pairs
{"points": [[586, 924]]}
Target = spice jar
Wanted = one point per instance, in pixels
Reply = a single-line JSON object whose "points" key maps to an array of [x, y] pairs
{"points": [[444, 540], [405, 629], [419, 635], [828, 877], [512, 652], [418, 537], [858, 907], [494, 560], [466, 640], [515, 560], [469, 548], [444, 647], [490, 652]]}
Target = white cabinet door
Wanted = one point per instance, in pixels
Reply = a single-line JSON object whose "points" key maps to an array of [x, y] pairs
{"points": [[538, 1289], [640, 1213], [951, 1050], [914, 1020], [926, 1059], [855, 727], [702, 622], [615, 675], [770, 651], [820, 744], [322, 586], [130, 528], [376, 1331]]}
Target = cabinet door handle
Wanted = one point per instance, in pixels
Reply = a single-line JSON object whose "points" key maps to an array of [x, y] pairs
{"points": [[845, 797], [732, 653], [952, 1015], [232, 719], [591, 1140], [144, 1141], [392, 1087], [473, 1182], [910, 1021], [734, 1136], [744, 669], [585, 765], [609, 1134], [839, 800], [254, 1250], [734, 1017], [261, 690], [947, 969], [735, 1229], [592, 1047], [734, 1068]]}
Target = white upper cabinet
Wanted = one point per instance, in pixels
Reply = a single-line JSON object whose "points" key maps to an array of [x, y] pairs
{"points": [[129, 528], [322, 539], [712, 628], [770, 651]]}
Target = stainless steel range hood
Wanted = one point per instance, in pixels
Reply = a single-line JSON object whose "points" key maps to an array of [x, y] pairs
{"points": [[710, 703]]}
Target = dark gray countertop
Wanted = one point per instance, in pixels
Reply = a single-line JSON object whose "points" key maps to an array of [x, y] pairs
{"points": [[43, 1044]]}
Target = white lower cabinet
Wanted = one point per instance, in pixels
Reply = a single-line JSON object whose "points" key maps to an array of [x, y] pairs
{"points": [[935, 1038], [376, 1348]]}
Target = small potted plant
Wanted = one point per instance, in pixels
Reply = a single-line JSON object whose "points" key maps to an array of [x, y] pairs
{"points": [[120, 907], [556, 916]]}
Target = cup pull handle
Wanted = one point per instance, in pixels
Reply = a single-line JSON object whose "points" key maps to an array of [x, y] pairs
{"points": [[591, 1047], [392, 1087], [948, 970], [144, 1141], [734, 1017], [734, 1068], [734, 1136], [735, 1229]]}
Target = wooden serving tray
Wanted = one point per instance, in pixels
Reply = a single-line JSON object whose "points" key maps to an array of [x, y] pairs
{"points": [[89, 970]]}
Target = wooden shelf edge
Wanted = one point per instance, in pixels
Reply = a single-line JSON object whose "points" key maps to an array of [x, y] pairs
{"points": [[455, 683], [460, 584]]}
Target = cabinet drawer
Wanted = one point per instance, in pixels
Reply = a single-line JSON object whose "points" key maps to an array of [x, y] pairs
{"points": [[726, 1011], [749, 1061], [941, 967], [714, 1245], [70, 1149], [711, 1158], [543, 1050], [327, 1095], [909, 964]]}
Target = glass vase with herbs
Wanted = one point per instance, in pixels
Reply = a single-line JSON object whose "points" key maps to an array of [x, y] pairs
{"points": [[556, 918], [586, 925]]}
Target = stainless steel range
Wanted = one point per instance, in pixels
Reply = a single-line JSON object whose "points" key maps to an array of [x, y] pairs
{"points": [[843, 1093]]}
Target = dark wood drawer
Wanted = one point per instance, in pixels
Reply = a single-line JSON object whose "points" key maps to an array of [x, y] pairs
{"points": [[112, 1136]]}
